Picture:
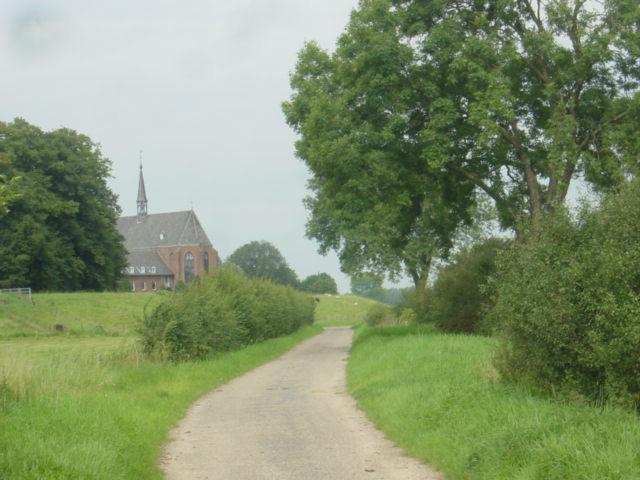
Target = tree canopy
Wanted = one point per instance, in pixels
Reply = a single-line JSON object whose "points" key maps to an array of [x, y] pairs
{"points": [[424, 104], [319, 283], [367, 284], [263, 260], [60, 230]]}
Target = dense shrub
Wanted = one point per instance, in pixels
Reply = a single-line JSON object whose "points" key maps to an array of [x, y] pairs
{"points": [[223, 312], [379, 315], [460, 296], [416, 302], [568, 302]]}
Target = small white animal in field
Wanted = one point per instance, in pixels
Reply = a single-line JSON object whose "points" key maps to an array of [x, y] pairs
{"points": [[355, 303]]}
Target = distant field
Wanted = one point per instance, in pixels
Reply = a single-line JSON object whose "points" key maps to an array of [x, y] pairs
{"points": [[81, 313], [344, 310], [438, 397]]}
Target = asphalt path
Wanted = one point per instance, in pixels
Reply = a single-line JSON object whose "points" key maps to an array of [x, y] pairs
{"points": [[289, 419]]}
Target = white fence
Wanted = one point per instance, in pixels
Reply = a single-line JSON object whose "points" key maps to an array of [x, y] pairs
{"points": [[18, 291]]}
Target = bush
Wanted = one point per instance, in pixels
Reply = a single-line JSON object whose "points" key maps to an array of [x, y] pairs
{"points": [[379, 315], [319, 283], [224, 311], [568, 302], [460, 297]]}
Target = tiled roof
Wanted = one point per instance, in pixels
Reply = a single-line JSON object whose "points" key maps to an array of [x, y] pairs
{"points": [[162, 229], [146, 263]]}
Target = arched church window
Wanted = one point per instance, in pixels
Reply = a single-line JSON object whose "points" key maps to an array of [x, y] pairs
{"points": [[189, 267], [205, 261]]}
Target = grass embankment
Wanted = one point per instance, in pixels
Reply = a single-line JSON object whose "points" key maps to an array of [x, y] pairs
{"points": [[339, 311], [80, 313], [101, 410], [438, 397]]}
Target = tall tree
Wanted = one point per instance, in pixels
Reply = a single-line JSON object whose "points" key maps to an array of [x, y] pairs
{"points": [[59, 233], [423, 104], [524, 95], [263, 260], [374, 200]]}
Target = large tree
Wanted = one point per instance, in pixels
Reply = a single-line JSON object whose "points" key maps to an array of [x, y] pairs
{"points": [[60, 230], [263, 260], [374, 199], [423, 104]]}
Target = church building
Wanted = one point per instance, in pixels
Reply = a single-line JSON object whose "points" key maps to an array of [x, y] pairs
{"points": [[164, 248]]}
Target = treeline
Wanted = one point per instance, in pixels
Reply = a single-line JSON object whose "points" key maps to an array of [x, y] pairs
{"points": [[223, 311], [425, 109], [261, 259]]}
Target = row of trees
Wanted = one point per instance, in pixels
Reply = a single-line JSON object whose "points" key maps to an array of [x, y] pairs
{"points": [[263, 260], [423, 106]]}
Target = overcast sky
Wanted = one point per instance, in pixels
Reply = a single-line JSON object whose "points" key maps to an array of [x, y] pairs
{"points": [[196, 85]]}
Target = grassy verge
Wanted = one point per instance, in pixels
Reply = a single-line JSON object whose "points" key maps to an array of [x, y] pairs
{"points": [[104, 313], [341, 311], [438, 397], [100, 410]]}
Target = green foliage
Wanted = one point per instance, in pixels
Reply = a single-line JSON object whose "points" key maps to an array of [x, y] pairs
{"points": [[568, 303], [319, 283], [263, 260], [378, 315], [7, 193], [359, 115], [439, 399], [367, 284], [60, 230], [424, 104], [460, 295], [222, 312]]}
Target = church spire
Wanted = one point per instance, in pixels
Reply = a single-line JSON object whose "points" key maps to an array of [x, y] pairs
{"points": [[142, 194]]}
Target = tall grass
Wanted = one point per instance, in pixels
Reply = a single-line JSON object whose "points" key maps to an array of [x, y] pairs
{"points": [[438, 397], [85, 313], [94, 408]]}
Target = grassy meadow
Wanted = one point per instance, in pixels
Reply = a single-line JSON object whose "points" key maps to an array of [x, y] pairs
{"points": [[87, 403], [341, 311], [84, 313], [438, 397]]}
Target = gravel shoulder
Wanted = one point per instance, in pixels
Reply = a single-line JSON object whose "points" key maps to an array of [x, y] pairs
{"points": [[289, 419]]}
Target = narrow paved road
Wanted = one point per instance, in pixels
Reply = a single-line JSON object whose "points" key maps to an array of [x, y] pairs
{"points": [[289, 419]]}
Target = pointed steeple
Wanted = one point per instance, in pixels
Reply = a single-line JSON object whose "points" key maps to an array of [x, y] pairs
{"points": [[142, 194]]}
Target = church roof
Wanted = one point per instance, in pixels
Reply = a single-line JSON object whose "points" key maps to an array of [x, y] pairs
{"points": [[146, 262], [162, 229]]}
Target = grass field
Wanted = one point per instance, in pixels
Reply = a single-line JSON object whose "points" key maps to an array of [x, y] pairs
{"points": [[94, 408], [344, 310], [80, 313], [86, 403], [438, 397]]}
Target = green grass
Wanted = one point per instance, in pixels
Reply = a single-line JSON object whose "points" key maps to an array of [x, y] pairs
{"points": [[344, 310], [80, 313], [79, 408], [439, 398]]}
